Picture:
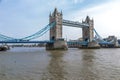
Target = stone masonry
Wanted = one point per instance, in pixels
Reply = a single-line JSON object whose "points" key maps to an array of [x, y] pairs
{"points": [[87, 32], [56, 32]]}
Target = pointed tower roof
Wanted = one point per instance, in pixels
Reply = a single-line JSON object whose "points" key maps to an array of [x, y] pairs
{"points": [[61, 12], [87, 19], [55, 10], [50, 14]]}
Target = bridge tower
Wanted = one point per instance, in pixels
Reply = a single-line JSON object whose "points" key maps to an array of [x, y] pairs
{"points": [[56, 31], [87, 32]]}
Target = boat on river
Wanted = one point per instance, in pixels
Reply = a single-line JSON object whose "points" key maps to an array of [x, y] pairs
{"points": [[4, 48]]}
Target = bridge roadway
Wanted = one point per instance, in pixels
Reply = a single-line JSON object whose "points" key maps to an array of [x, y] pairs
{"points": [[47, 41], [26, 41]]}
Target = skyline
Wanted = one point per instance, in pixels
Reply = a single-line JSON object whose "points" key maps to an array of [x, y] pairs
{"points": [[23, 17]]}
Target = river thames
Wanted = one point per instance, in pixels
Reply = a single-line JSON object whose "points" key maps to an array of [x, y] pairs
{"points": [[22, 63]]}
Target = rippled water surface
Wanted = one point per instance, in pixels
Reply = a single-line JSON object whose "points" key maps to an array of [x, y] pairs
{"points": [[74, 64]]}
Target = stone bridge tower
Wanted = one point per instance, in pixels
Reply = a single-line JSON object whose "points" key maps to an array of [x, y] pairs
{"points": [[56, 31], [87, 32]]}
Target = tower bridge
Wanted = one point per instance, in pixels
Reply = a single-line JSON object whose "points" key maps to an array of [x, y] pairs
{"points": [[56, 40], [56, 31]]}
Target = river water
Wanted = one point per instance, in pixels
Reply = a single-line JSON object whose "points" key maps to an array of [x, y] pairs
{"points": [[73, 64]]}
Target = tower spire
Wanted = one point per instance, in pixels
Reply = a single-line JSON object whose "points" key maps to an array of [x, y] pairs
{"points": [[50, 14], [61, 12], [55, 11], [87, 19]]}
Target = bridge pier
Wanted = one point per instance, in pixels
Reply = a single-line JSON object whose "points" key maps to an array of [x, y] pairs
{"points": [[93, 44], [59, 44]]}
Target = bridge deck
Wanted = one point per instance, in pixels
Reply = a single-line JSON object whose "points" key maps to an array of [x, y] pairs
{"points": [[26, 41]]}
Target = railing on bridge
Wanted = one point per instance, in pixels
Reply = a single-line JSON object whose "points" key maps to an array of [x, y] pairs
{"points": [[23, 41]]}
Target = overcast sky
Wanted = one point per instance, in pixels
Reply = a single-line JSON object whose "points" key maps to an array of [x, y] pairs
{"points": [[21, 18]]}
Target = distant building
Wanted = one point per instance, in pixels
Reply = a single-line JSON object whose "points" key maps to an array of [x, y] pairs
{"points": [[113, 39]]}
